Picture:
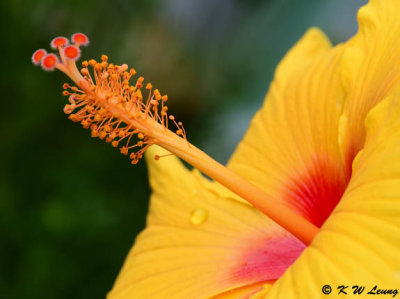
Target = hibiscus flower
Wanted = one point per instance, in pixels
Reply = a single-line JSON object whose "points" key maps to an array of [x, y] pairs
{"points": [[309, 201]]}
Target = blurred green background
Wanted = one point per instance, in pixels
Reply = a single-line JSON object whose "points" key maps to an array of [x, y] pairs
{"points": [[71, 205]]}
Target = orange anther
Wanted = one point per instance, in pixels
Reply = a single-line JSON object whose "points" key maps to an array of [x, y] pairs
{"points": [[139, 94], [85, 71], [124, 150], [102, 135], [104, 75], [74, 118], [68, 109], [95, 133], [98, 67], [122, 133], [123, 68], [85, 123]]}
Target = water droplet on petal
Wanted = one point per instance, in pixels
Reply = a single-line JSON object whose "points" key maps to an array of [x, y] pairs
{"points": [[198, 216]]}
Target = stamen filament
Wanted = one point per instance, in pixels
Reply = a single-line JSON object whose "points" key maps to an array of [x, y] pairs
{"points": [[114, 110], [300, 227]]}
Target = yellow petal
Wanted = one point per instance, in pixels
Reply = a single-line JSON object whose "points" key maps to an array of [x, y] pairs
{"points": [[360, 243], [370, 69], [199, 242], [257, 289], [261, 294], [291, 149]]}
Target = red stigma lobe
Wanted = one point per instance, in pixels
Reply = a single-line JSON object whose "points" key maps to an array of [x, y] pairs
{"points": [[59, 41], [72, 52], [38, 56], [80, 39], [49, 62]]}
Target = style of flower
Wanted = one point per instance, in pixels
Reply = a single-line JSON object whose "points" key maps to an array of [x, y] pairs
{"points": [[311, 197]]}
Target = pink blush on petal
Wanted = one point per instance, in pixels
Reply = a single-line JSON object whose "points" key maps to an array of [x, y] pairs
{"points": [[267, 259]]}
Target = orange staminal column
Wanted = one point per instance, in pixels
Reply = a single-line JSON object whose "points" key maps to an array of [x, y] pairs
{"points": [[133, 117]]}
